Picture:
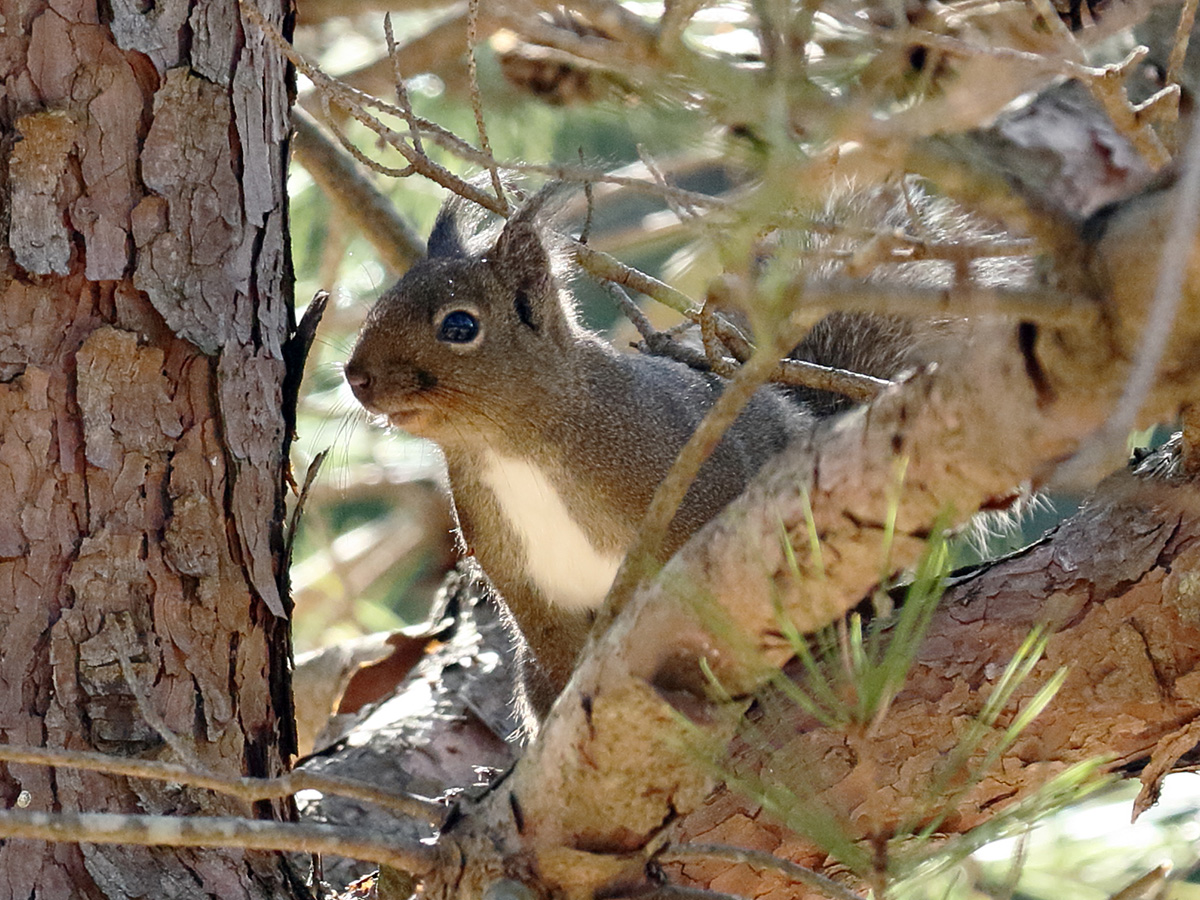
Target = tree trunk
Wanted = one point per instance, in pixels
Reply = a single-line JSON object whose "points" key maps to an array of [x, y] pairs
{"points": [[146, 309]]}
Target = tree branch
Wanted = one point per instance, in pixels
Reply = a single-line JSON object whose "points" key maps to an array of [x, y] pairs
{"points": [[352, 194]]}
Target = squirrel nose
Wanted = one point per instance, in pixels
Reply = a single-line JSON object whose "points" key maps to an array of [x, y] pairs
{"points": [[358, 379]]}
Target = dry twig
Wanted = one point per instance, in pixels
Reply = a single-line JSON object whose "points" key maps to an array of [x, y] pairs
{"points": [[477, 101], [760, 860], [1179, 48], [402, 100], [248, 790], [350, 190], [211, 831]]}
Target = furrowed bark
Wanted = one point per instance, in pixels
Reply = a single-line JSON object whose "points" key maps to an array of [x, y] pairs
{"points": [[146, 302]]}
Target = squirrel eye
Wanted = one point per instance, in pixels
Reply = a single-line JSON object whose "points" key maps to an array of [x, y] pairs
{"points": [[458, 327]]}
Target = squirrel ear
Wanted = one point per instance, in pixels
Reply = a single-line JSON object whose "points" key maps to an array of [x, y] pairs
{"points": [[520, 253]]}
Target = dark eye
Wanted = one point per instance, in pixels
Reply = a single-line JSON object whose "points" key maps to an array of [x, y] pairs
{"points": [[458, 327]]}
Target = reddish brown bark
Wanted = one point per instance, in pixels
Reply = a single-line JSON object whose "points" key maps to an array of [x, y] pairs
{"points": [[146, 304], [1115, 586]]}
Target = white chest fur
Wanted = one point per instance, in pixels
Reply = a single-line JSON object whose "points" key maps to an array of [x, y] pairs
{"points": [[561, 561]]}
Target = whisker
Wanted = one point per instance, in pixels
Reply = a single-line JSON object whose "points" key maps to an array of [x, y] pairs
{"points": [[341, 346]]}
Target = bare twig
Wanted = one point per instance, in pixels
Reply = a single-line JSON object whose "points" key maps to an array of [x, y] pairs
{"points": [[590, 202], [740, 346], [248, 790], [611, 269], [350, 190], [477, 100], [1108, 86], [760, 860], [795, 372], [713, 349], [1179, 48], [423, 165], [801, 373], [373, 164], [660, 343], [682, 210], [632, 312], [605, 267], [665, 345], [860, 388], [402, 100], [202, 831], [310, 476], [356, 103]]}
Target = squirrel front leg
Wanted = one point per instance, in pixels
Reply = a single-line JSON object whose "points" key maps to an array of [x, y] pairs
{"points": [[553, 637]]}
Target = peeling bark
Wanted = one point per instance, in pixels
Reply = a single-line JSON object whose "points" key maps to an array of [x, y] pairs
{"points": [[146, 303]]}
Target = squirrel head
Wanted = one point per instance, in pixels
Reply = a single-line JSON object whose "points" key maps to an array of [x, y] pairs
{"points": [[454, 349]]}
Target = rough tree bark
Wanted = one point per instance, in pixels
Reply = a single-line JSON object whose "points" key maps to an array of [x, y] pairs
{"points": [[145, 289]]}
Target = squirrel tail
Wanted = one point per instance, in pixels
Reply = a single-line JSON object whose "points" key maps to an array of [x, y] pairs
{"points": [[877, 345]]}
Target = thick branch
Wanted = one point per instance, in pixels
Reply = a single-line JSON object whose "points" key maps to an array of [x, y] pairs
{"points": [[1113, 587]]}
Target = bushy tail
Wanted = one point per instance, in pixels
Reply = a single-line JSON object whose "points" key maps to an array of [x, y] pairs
{"points": [[876, 345]]}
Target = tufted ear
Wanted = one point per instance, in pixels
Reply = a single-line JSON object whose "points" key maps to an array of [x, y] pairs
{"points": [[446, 239]]}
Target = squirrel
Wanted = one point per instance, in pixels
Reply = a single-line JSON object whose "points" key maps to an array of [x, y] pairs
{"points": [[554, 441]]}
